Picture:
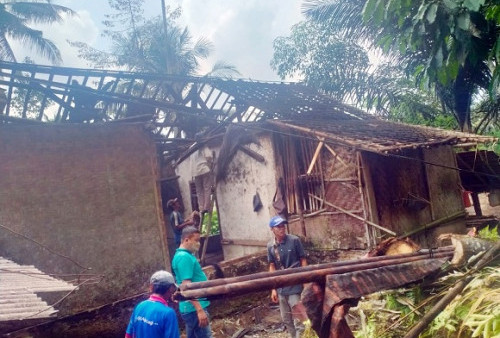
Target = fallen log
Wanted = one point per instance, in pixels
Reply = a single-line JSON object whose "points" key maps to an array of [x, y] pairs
{"points": [[465, 247], [224, 281], [297, 276]]}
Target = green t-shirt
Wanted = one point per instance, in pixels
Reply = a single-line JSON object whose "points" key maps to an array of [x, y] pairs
{"points": [[186, 266]]}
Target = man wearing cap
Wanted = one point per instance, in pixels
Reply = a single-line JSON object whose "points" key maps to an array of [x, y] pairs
{"points": [[153, 318], [283, 252], [176, 220], [187, 270]]}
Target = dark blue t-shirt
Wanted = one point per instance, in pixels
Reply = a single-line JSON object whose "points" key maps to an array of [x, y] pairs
{"points": [[176, 219], [152, 318], [290, 252]]}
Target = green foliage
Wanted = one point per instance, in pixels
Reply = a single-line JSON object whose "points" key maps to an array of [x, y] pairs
{"points": [[475, 312], [368, 326], [321, 59], [489, 233], [215, 226], [318, 55], [150, 45], [15, 19], [451, 47]]}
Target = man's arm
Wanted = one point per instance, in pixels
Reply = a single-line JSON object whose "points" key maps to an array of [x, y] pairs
{"points": [[200, 312], [180, 226], [274, 293]]}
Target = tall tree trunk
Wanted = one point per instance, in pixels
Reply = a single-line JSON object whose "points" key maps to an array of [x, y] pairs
{"points": [[463, 90], [165, 29]]}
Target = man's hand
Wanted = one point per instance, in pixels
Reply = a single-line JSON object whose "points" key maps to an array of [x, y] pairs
{"points": [[202, 318], [274, 296]]}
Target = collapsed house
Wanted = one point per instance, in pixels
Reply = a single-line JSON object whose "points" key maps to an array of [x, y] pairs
{"points": [[85, 195], [348, 181]]}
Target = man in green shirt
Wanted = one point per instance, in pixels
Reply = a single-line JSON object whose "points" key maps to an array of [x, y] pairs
{"points": [[187, 270]]}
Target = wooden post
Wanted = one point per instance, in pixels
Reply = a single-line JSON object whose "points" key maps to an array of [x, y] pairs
{"points": [[209, 229], [476, 204]]}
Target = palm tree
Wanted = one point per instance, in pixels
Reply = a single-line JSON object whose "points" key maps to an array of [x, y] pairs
{"points": [[15, 17], [447, 47]]}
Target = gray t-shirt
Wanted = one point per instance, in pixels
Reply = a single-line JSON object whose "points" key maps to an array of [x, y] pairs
{"points": [[290, 252]]}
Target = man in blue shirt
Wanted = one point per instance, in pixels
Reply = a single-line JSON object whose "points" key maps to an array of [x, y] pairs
{"points": [[153, 318], [285, 252], [187, 270], [177, 220]]}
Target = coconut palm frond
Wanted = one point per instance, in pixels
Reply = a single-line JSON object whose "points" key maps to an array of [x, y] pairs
{"points": [[224, 70], [6, 52], [202, 48], [35, 40], [14, 18], [39, 12]]}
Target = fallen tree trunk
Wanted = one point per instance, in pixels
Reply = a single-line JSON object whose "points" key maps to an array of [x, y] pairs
{"points": [[466, 247], [224, 281], [298, 276]]}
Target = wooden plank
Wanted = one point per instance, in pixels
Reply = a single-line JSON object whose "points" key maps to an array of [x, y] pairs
{"points": [[244, 242], [368, 195], [253, 154], [334, 153]]}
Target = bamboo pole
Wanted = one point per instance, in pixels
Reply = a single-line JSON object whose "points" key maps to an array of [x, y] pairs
{"points": [[434, 223], [335, 155], [447, 250], [316, 154], [357, 217]]}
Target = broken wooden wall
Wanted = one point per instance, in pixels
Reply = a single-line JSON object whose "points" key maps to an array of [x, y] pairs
{"points": [[320, 177], [409, 194], [445, 189], [88, 192]]}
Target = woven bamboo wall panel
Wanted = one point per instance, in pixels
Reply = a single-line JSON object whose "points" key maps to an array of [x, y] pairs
{"points": [[341, 165], [344, 195]]}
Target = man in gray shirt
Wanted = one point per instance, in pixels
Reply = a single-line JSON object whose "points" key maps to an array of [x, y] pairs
{"points": [[283, 252]]}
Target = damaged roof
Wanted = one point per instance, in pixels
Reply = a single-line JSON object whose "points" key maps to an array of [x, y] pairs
{"points": [[19, 285], [378, 135], [177, 108]]}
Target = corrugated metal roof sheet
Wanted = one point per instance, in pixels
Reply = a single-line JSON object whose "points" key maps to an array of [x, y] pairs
{"points": [[18, 287]]}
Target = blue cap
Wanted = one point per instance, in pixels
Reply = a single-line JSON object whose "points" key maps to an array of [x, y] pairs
{"points": [[277, 220]]}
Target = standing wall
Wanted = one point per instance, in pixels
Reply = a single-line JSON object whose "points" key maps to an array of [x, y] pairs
{"points": [[88, 195]]}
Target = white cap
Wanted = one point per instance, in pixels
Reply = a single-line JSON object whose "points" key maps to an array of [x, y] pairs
{"points": [[162, 277]]}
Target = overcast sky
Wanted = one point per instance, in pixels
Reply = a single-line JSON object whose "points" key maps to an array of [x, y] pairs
{"points": [[242, 31]]}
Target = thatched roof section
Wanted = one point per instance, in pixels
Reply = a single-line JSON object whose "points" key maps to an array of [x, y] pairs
{"points": [[378, 135]]}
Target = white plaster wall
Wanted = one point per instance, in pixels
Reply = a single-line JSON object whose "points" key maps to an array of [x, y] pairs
{"points": [[246, 176], [185, 176]]}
